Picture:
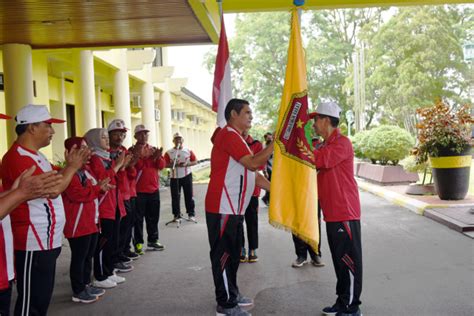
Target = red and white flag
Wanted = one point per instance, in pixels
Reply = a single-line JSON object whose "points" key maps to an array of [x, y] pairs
{"points": [[221, 89]]}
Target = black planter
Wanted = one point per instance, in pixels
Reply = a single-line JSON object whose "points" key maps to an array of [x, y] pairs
{"points": [[451, 174]]}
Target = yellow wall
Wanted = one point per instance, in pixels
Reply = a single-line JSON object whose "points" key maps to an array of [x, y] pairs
{"points": [[48, 92]]}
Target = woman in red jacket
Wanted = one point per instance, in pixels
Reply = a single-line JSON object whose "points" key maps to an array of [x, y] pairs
{"points": [[81, 229], [111, 208]]}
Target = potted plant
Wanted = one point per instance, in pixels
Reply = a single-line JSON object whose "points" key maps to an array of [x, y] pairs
{"points": [[444, 139]]}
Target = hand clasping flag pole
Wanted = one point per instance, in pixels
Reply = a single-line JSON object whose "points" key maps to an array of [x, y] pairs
{"points": [[294, 195]]}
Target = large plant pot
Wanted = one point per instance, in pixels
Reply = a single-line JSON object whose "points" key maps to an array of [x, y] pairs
{"points": [[451, 174], [386, 175]]}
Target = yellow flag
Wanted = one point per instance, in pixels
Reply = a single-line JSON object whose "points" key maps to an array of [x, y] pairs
{"points": [[294, 196]]}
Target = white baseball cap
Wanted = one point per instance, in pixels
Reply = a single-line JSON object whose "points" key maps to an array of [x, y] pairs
{"points": [[34, 114], [326, 108], [177, 135], [117, 125], [140, 128]]}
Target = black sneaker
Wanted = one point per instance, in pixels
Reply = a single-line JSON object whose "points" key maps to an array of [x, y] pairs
{"points": [[356, 313], [155, 245], [244, 301], [121, 267], [94, 291], [124, 259], [253, 256], [316, 261], [84, 297], [243, 255], [233, 311], [132, 255], [299, 262], [331, 310]]}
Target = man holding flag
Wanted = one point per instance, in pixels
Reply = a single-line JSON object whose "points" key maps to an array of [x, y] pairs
{"points": [[340, 203], [294, 198], [230, 189]]}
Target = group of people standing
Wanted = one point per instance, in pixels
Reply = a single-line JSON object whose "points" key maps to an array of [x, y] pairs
{"points": [[99, 200], [103, 193]]}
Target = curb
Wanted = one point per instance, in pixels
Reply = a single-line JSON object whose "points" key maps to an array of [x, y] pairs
{"points": [[394, 197], [413, 205]]}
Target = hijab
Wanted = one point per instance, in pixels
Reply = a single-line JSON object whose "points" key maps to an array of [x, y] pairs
{"points": [[93, 138]]}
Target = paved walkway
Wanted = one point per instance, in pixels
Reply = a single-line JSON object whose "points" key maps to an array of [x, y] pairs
{"points": [[412, 266], [457, 215]]}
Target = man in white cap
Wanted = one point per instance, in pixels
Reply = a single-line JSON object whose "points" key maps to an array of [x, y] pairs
{"points": [[26, 187], [150, 162], [117, 133], [339, 199], [180, 159], [37, 224]]}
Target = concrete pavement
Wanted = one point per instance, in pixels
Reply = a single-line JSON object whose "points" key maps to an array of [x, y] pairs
{"points": [[412, 266]]}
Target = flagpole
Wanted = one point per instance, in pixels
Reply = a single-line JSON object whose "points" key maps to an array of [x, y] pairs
{"points": [[299, 4], [219, 3]]}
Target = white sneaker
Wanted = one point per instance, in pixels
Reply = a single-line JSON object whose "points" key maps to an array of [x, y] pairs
{"points": [[105, 284], [116, 279]]}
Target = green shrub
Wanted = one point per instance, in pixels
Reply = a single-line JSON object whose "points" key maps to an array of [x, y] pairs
{"points": [[410, 165], [359, 140], [387, 143]]}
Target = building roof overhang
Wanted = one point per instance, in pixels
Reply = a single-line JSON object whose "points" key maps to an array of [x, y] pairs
{"points": [[91, 24]]}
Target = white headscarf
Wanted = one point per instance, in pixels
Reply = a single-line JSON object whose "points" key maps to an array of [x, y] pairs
{"points": [[93, 138]]}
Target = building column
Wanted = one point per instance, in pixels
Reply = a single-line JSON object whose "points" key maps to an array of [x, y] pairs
{"points": [[122, 93], [98, 105], [84, 91], [18, 78], [165, 121], [148, 106], [159, 140], [58, 110]]}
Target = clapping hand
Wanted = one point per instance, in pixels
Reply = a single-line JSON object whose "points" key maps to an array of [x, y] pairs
{"points": [[127, 160], [120, 160], [77, 157], [43, 185], [105, 185], [157, 152]]}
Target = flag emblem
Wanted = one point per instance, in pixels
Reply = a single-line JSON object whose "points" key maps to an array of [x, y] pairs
{"points": [[292, 139]]}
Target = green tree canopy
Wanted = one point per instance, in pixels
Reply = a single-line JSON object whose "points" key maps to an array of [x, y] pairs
{"points": [[413, 55], [415, 58]]}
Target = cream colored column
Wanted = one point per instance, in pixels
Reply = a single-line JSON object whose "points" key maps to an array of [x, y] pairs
{"points": [[84, 91], [18, 76], [122, 93], [98, 106], [165, 113], [58, 110], [157, 98], [148, 106]]}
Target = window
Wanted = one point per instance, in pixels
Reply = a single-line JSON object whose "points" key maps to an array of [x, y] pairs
{"points": [[71, 120]]}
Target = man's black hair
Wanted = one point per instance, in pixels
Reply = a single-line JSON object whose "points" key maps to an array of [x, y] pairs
{"points": [[20, 129], [236, 105], [334, 120]]}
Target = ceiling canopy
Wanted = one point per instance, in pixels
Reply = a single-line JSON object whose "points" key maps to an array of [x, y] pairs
{"points": [[78, 23]]}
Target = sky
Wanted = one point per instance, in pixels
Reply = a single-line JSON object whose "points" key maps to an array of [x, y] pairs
{"points": [[188, 63]]}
